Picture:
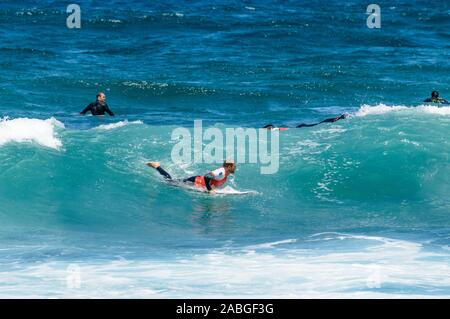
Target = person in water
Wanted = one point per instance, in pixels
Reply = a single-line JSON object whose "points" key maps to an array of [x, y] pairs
{"points": [[436, 99], [272, 127], [99, 107], [331, 120], [210, 181]]}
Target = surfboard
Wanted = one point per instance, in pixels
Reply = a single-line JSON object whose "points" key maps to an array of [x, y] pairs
{"points": [[231, 191], [221, 191]]}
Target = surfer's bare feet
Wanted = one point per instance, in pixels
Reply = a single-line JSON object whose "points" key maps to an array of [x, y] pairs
{"points": [[154, 164]]}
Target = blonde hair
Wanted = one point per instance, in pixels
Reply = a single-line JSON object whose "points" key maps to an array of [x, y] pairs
{"points": [[230, 164]]}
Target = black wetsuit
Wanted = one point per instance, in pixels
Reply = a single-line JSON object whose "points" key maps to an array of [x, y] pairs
{"points": [[167, 176], [332, 120], [97, 108]]}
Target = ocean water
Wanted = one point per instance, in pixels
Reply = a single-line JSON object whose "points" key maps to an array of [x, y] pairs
{"points": [[358, 208]]}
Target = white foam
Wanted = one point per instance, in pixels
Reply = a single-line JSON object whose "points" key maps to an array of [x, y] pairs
{"points": [[365, 109], [272, 244], [176, 14], [379, 268], [406, 141], [332, 130], [228, 190], [443, 110], [116, 125], [378, 109], [111, 20], [25, 130]]}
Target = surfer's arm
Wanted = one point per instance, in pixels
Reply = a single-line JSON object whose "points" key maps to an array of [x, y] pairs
{"points": [[86, 109], [208, 178], [217, 175], [334, 119], [107, 110], [306, 125]]}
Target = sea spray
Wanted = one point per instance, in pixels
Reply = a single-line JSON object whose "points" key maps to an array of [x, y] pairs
{"points": [[25, 130]]}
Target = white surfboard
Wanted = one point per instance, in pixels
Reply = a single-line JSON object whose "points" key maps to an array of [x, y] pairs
{"points": [[228, 190]]}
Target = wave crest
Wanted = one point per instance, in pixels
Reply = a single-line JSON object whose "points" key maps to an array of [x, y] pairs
{"points": [[112, 126], [26, 130], [381, 108]]}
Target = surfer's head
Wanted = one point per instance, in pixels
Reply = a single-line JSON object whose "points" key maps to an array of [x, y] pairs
{"points": [[269, 126], [230, 166], [435, 94], [101, 97]]}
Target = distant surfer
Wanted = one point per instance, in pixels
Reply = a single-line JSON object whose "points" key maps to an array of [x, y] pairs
{"points": [[99, 107], [272, 127], [210, 181], [331, 120], [435, 98]]}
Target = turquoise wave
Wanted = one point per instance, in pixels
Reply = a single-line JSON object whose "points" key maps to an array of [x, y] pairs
{"points": [[382, 167], [358, 208]]}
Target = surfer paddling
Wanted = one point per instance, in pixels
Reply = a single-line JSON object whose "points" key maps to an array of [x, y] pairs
{"points": [[435, 98], [272, 127], [210, 181], [331, 120]]}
